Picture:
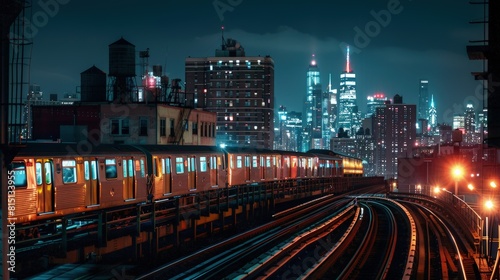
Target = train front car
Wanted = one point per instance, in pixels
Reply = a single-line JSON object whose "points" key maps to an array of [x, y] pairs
{"points": [[54, 180]]}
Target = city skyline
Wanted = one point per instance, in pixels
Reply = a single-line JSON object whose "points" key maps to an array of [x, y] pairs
{"points": [[392, 61]]}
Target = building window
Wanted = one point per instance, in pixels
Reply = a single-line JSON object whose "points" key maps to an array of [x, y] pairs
{"points": [[120, 127], [163, 127], [172, 128], [143, 127], [195, 128]]}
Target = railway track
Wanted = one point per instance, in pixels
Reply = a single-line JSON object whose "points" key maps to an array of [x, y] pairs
{"points": [[220, 260]]}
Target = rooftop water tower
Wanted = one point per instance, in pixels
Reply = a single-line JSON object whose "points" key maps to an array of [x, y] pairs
{"points": [[122, 71]]}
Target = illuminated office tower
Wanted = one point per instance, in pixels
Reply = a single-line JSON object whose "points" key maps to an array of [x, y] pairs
{"points": [[373, 102], [423, 105], [312, 109], [240, 89], [347, 100], [432, 114]]}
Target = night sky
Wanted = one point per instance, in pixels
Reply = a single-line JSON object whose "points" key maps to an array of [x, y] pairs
{"points": [[421, 39]]}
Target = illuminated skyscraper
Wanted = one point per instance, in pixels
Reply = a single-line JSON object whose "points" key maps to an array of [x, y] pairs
{"points": [[347, 100], [394, 133], [423, 105], [373, 102], [312, 115], [432, 114], [240, 89], [329, 112], [470, 119]]}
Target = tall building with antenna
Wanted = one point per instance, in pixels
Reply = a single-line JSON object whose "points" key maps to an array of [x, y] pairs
{"points": [[432, 114], [348, 109]]}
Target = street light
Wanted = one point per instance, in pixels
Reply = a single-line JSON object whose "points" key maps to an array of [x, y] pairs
{"points": [[493, 184], [489, 206], [457, 172]]}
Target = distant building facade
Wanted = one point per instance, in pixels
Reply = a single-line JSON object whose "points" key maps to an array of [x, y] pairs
{"points": [[394, 135], [240, 90]]}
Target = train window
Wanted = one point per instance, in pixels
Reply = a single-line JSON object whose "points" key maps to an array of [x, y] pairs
{"points": [[125, 170], [38, 172], [131, 167], [86, 171], [17, 173], [239, 163], [247, 161], [143, 169], [268, 161], [111, 172], [48, 174], [166, 165], [254, 161], [179, 165], [90, 171], [203, 164], [69, 171], [191, 164], [213, 162]]}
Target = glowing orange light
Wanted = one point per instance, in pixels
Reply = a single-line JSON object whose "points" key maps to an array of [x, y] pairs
{"points": [[493, 184], [489, 204], [457, 171]]}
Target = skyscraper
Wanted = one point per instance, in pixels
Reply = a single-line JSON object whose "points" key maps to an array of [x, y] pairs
{"points": [[423, 104], [240, 89], [347, 100], [394, 134], [373, 102], [470, 119], [329, 112], [313, 106], [432, 114]]}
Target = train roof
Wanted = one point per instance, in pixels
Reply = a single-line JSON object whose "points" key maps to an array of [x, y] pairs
{"points": [[183, 149], [82, 149], [70, 149], [330, 153]]}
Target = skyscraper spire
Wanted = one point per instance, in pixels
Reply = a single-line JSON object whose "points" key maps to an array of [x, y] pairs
{"points": [[223, 46], [330, 82], [313, 60], [348, 66]]}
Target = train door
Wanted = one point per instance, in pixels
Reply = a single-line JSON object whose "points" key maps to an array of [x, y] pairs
{"points": [[276, 164], [166, 164], [247, 167], [128, 178], [44, 169], [91, 181], [192, 172], [214, 171]]}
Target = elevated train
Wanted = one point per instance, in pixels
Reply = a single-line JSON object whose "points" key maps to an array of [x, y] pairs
{"points": [[56, 180]]}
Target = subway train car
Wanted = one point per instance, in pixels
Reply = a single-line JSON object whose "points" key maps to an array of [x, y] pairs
{"points": [[351, 166], [55, 180]]}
